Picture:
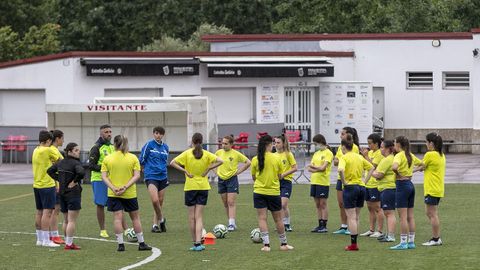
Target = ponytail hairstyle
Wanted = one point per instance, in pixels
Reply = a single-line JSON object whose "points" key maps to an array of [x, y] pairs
{"points": [[437, 142], [197, 141], [320, 139], [69, 148], [353, 132], [388, 144], [262, 149], [405, 144], [121, 143], [376, 139], [286, 145]]}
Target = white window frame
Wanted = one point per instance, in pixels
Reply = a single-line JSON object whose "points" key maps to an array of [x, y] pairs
{"points": [[462, 87], [410, 87]]}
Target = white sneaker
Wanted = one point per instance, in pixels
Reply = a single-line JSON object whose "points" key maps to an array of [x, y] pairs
{"points": [[375, 234], [432, 242], [286, 247], [265, 248], [39, 243], [50, 244], [367, 233]]}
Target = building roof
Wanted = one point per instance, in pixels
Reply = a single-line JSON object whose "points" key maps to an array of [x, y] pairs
{"points": [[326, 36], [126, 54]]}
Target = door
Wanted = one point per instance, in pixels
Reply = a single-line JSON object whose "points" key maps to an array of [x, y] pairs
{"points": [[299, 108], [378, 109]]}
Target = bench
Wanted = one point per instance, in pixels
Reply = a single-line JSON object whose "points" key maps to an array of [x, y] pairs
{"points": [[420, 145]]}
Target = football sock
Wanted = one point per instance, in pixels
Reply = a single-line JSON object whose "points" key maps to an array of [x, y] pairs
{"points": [[119, 238], [265, 238], [140, 237]]}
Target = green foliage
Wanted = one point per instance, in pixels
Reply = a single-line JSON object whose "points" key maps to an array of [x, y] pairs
{"points": [[9, 43]]}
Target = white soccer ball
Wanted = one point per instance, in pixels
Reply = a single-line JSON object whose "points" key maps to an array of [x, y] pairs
{"points": [[220, 230], [256, 236], [130, 235]]}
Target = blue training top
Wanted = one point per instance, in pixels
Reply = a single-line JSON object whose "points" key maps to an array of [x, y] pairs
{"points": [[154, 158]]}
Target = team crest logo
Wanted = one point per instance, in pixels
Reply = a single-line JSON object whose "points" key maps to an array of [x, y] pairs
{"points": [[230, 158], [166, 70], [284, 161], [300, 72]]}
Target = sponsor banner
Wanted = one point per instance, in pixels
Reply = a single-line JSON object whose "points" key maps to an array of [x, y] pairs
{"points": [[270, 71], [150, 69]]}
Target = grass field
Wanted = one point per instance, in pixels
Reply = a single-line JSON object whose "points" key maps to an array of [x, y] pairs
{"points": [[459, 215]]}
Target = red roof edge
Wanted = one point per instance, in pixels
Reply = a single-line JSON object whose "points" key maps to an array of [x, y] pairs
{"points": [[57, 56], [475, 30], [317, 37]]}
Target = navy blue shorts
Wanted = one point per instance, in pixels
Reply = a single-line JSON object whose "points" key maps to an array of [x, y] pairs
{"points": [[372, 195], [353, 196], [100, 191], [72, 204], [318, 191], [405, 194], [387, 199], [271, 202], [228, 186], [57, 197], [285, 188], [431, 200], [44, 198], [339, 185], [194, 197], [117, 204], [159, 184]]}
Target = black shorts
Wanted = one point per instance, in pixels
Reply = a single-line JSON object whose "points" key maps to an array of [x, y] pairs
{"points": [[387, 199], [372, 195], [431, 200], [228, 186], [405, 194], [194, 197], [45, 198], [159, 184], [353, 196], [117, 204], [339, 185], [57, 197], [70, 203], [285, 188], [271, 202], [318, 191]]}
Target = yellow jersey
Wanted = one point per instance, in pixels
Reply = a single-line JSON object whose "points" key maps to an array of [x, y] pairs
{"points": [[385, 167], [339, 153], [353, 165], [433, 183], [375, 157], [322, 178], [403, 168], [196, 167], [266, 181], [120, 168], [43, 158], [230, 159], [288, 160]]}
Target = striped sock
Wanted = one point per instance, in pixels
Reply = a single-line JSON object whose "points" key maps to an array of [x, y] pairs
{"points": [[403, 238], [265, 238], [283, 238]]}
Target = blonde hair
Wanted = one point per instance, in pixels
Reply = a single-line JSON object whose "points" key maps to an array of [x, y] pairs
{"points": [[121, 143]]}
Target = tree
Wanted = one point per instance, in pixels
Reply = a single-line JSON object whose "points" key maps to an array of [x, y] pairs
{"points": [[9, 44], [40, 41]]}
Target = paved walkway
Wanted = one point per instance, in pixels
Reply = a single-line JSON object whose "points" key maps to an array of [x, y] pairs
{"points": [[461, 168]]}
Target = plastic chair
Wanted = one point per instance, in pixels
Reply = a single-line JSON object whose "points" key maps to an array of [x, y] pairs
{"points": [[261, 134], [242, 138], [293, 135], [21, 143], [10, 146]]}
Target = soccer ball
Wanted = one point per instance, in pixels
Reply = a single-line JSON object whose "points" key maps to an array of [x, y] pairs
{"points": [[220, 230], [256, 236], [130, 235]]}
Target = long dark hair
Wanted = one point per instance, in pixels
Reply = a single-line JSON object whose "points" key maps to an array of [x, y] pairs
{"points": [[436, 140], [389, 145], [405, 144], [348, 142], [197, 141], [376, 139], [261, 149], [353, 132], [121, 143]]}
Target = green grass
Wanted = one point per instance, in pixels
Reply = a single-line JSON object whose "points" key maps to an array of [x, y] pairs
{"points": [[459, 214]]}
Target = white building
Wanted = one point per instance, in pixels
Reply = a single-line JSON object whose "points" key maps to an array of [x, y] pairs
{"points": [[421, 82]]}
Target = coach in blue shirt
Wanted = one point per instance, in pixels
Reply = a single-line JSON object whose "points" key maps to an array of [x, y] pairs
{"points": [[154, 160]]}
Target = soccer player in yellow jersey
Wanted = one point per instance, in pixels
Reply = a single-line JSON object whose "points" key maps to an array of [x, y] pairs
{"points": [[320, 167], [386, 185], [339, 187], [433, 164], [196, 163], [351, 168], [372, 196], [266, 172], [54, 236], [289, 167], [120, 172], [44, 187], [228, 177], [403, 165]]}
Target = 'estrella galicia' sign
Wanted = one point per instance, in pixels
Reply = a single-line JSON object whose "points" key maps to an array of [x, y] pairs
{"points": [[137, 68], [269, 71]]}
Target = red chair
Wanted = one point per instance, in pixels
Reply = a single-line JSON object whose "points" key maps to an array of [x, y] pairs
{"points": [[21, 143], [9, 145], [242, 138], [293, 135], [261, 134]]}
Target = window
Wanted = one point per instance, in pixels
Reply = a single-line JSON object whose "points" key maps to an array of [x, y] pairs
{"points": [[419, 80], [456, 80]]}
